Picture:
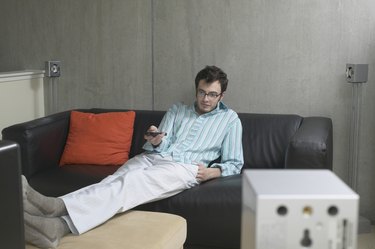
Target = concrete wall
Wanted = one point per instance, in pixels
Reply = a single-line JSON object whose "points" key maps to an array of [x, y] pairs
{"points": [[104, 47], [281, 57]]}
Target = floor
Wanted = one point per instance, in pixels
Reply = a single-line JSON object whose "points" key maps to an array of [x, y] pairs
{"points": [[367, 240]]}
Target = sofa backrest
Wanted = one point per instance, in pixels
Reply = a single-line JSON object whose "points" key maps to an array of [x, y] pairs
{"points": [[266, 137]]}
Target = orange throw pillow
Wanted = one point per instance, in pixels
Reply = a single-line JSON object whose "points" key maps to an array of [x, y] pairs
{"points": [[99, 139]]}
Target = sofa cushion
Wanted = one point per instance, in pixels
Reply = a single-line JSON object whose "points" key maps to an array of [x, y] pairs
{"points": [[217, 200], [101, 139], [143, 120]]}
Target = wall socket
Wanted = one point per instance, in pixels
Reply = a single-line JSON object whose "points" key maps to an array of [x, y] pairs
{"points": [[53, 68]]}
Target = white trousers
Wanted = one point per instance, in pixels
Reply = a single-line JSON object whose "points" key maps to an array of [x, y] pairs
{"points": [[142, 179]]}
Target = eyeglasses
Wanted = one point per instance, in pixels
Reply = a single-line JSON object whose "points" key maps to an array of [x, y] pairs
{"points": [[210, 95]]}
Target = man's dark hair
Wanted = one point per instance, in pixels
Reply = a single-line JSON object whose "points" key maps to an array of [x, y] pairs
{"points": [[211, 74]]}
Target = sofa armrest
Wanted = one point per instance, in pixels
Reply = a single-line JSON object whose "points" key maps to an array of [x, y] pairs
{"points": [[311, 146], [41, 141]]}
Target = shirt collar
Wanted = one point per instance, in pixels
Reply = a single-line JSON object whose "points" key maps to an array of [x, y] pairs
{"points": [[220, 107]]}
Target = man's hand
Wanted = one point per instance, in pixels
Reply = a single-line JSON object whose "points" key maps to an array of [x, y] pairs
{"points": [[155, 141], [205, 174]]}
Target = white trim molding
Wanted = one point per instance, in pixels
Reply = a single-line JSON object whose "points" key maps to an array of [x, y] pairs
{"points": [[21, 75]]}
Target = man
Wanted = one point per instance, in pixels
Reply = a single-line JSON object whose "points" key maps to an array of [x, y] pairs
{"points": [[178, 158]]}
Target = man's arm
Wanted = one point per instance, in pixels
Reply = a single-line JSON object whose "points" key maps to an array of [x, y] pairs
{"points": [[231, 151], [161, 143], [155, 141]]}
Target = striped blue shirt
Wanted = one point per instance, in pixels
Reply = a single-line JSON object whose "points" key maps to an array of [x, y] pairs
{"points": [[192, 138]]}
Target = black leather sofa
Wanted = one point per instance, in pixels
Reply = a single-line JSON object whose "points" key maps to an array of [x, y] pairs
{"points": [[212, 209]]}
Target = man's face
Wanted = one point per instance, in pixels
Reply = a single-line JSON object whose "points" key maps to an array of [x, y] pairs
{"points": [[208, 95]]}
